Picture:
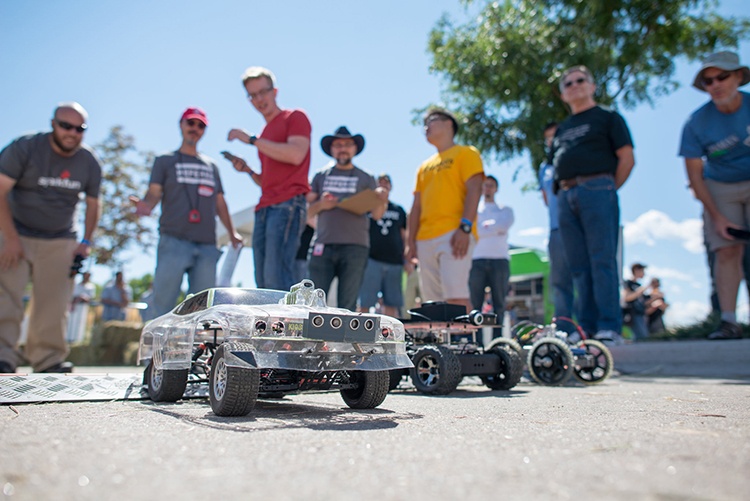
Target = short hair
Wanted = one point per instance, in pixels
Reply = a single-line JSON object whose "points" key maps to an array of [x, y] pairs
{"points": [[443, 113], [385, 176], [637, 266], [493, 179], [572, 69], [254, 72], [72, 105]]}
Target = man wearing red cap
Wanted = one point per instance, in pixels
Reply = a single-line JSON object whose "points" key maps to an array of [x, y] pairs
{"points": [[188, 185], [284, 153]]}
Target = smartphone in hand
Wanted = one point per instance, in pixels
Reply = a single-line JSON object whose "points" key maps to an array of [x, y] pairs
{"points": [[228, 156], [739, 234]]}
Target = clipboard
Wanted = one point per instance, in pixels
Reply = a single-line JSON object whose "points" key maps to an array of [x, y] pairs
{"points": [[360, 203]]}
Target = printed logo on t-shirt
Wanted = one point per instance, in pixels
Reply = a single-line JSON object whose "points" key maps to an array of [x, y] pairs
{"points": [[574, 133], [205, 191], [446, 163], [63, 182], [340, 184], [385, 226], [195, 173]]}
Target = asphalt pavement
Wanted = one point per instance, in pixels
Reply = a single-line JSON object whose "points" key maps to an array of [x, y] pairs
{"points": [[642, 434]]}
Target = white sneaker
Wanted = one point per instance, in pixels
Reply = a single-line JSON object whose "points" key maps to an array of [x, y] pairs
{"points": [[609, 338]]}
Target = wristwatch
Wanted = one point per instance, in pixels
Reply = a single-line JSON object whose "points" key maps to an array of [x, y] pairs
{"points": [[465, 226], [252, 140]]}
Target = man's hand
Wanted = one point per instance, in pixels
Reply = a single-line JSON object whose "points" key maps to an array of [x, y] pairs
{"points": [[236, 239], [240, 134], [141, 207], [83, 249], [460, 243], [11, 253], [328, 201]]}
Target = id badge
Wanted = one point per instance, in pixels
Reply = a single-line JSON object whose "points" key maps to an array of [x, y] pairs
{"points": [[194, 216], [318, 249]]}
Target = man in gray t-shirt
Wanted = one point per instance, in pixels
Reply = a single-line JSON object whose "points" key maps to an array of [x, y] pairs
{"points": [[188, 185], [41, 178], [342, 238]]}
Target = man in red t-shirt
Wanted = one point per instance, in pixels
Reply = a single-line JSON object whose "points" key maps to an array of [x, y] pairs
{"points": [[284, 153]]}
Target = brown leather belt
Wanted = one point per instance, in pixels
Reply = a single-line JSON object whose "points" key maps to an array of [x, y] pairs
{"points": [[566, 184]]}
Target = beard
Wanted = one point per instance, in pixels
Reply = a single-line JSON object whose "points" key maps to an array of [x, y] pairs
{"points": [[63, 147], [344, 160]]}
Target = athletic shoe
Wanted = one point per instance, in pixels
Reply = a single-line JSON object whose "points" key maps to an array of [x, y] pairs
{"points": [[726, 330], [6, 368], [609, 338]]}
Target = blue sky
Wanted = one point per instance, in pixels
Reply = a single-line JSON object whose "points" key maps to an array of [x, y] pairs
{"points": [[139, 64]]}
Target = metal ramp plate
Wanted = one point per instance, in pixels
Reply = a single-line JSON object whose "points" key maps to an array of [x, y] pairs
{"points": [[40, 388]]}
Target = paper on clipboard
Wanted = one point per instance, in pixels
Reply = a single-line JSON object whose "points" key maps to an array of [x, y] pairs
{"points": [[361, 203]]}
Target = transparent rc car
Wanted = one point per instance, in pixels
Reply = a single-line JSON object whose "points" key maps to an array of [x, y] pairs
{"points": [[246, 342], [442, 343]]}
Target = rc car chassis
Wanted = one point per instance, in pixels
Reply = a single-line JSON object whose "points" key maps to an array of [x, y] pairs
{"points": [[250, 343], [441, 340]]}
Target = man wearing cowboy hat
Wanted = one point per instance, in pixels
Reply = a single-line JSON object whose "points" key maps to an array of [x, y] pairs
{"points": [[716, 148], [342, 238]]}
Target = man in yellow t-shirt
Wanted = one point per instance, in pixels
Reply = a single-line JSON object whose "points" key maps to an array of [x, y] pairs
{"points": [[440, 227]]}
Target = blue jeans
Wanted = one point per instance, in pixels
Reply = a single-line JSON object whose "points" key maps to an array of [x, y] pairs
{"points": [[174, 258], [347, 262], [275, 241], [492, 273], [589, 225], [385, 278], [560, 278]]}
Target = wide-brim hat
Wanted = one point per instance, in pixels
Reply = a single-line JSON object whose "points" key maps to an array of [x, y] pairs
{"points": [[342, 133], [724, 60]]}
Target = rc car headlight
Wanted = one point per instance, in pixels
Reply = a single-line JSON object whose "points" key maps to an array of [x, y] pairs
{"points": [[277, 327], [354, 324], [336, 322], [317, 321], [260, 326], [369, 324]]}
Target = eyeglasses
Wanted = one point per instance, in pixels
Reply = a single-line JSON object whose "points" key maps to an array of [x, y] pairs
{"points": [[570, 83], [253, 96], [69, 126], [193, 122], [708, 81]]}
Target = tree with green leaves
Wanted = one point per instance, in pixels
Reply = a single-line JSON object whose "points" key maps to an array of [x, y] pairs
{"points": [[502, 68], [122, 176]]}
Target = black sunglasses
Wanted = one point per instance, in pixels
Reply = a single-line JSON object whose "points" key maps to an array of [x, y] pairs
{"points": [[578, 81], [69, 126], [193, 122], [720, 77]]}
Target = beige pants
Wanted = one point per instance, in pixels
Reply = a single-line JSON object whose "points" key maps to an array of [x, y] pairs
{"points": [[46, 264]]}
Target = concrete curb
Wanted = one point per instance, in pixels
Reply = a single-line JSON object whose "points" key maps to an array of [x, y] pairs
{"points": [[713, 359]]}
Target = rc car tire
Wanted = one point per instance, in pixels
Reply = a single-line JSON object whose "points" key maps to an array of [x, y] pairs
{"points": [[437, 370], [506, 341], [165, 385], [232, 391], [511, 368], [550, 361], [372, 390], [603, 359]]}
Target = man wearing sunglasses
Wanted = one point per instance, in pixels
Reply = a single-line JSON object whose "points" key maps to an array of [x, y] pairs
{"points": [[41, 177], [284, 154], [592, 152], [188, 185], [716, 148]]}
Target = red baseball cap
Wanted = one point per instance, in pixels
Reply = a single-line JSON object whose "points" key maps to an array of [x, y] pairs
{"points": [[195, 113]]}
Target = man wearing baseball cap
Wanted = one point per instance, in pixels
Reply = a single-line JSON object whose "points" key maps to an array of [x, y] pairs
{"points": [[188, 185], [716, 148]]}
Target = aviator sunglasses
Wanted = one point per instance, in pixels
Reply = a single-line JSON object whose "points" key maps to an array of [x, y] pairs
{"points": [[570, 83], [69, 126], [720, 77], [192, 123]]}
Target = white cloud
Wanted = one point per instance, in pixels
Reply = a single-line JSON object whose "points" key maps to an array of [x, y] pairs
{"points": [[535, 231], [655, 225], [686, 313]]}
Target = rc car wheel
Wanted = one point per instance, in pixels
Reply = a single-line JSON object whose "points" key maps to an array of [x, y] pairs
{"points": [[506, 341], [372, 390], [165, 385], [437, 370], [550, 361], [233, 391], [603, 362], [511, 368]]}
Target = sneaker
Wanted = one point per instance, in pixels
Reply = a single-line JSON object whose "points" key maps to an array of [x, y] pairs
{"points": [[6, 368], [609, 338], [727, 330], [61, 368]]}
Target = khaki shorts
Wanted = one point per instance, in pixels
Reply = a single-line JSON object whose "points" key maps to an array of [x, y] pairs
{"points": [[732, 200], [442, 276]]}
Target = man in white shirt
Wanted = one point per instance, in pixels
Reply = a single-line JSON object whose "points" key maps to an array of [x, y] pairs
{"points": [[490, 265]]}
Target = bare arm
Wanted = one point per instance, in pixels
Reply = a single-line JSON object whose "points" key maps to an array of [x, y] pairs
{"points": [[222, 210], [625, 163], [378, 211], [143, 207], [11, 252], [293, 151], [412, 227], [318, 204], [93, 211], [459, 239]]}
